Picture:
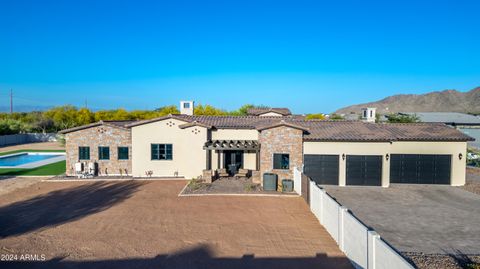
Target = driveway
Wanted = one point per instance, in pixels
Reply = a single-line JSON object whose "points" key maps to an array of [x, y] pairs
{"points": [[418, 218], [144, 224]]}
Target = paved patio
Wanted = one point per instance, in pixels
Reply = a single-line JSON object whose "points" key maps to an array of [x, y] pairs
{"points": [[418, 218], [144, 224]]}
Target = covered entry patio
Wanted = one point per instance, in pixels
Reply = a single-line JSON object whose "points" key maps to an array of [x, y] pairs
{"points": [[230, 158]]}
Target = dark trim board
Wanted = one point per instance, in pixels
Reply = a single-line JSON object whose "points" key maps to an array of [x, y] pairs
{"points": [[420, 168], [364, 170], [323, 169]]}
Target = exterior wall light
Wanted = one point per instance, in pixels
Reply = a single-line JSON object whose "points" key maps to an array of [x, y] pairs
{"points": [[387, 157], [460, 156], [343, 156]]}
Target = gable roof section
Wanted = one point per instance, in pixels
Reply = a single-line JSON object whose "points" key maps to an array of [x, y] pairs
{"points": [[116, 124], [280, 124], [260, 111], [194, 123], [170, 116]]}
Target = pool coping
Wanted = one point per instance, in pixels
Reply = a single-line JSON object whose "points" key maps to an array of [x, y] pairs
{"points": [[37, 163]]}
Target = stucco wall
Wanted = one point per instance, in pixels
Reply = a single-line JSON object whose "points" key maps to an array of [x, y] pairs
{"points": [[271, 114], [351, 148], [234, 134], [249, 158], [94, 137], [189, 157]]}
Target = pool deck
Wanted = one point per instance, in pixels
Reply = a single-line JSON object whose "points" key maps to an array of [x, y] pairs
{"points": [[37, 163]]}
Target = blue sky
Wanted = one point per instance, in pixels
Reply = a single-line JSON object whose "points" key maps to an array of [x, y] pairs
{"points": [[311, 56]]}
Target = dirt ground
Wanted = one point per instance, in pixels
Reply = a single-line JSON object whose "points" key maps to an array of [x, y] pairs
{"points": [[41, 145], [8, 184], [473, 180], [144, 224]]}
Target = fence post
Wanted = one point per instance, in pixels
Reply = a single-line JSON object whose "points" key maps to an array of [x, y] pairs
{"points": [[322, 196], [341, 232], [372, 236]]}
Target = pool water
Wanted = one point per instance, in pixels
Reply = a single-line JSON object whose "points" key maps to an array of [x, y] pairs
{"points": [[24, 159]]}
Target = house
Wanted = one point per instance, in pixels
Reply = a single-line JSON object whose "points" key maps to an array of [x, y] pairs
{"points": [[466, 123], [330, 152]]}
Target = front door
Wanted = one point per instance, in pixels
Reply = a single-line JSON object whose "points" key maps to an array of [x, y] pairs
{"points": [[233, 161]]}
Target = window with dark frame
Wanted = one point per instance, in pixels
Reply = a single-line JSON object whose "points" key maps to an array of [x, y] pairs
{"points": [[161, 152], [84, 153], [123, 153], [103, 153], [281, 161], [186, 105]]}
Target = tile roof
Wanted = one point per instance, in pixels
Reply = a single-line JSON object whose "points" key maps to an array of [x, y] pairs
{"points": [[316, 130], [425, 132], [259, 111], [119, 123]]}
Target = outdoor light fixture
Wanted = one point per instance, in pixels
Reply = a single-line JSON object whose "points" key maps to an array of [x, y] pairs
{"points": [[387, 157], [460, 156], [343, 156]]}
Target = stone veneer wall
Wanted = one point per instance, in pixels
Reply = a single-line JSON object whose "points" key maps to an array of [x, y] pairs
{"points": [[94, 137], [281, 139]]}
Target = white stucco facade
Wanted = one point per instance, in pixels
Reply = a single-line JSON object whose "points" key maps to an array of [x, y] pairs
{"points": [[189, 157], [384, 148]]}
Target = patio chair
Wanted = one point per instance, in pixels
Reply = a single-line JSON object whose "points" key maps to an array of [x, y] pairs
{"points": [[242, 173], [222, 173]]}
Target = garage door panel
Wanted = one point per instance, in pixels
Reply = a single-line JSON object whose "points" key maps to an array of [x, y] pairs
{"points": [[364, 170], [323, 169], [420, 169]]}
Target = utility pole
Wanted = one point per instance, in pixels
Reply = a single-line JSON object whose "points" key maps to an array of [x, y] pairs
{"points": [[11, 101]]}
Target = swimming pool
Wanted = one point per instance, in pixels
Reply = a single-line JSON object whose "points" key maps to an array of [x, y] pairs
{"points": [[30, 159]]}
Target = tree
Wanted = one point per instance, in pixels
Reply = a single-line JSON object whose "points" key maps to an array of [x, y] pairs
{"points": [[166, 110], [64, 117], [85, 116], [12, 126], [209, 110], [402, 118], [336, 117], [242, 111], [318, 116]]}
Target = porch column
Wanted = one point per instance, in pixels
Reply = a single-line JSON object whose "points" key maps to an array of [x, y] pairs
{"points": [[209, 159], [220, 159], [257, 164]]}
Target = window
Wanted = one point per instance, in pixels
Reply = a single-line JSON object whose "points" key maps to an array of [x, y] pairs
{"points": [[123, 153], [364, 113], [103, 153], [186, 105], [162, 152], [281, 161], [84, 153]]}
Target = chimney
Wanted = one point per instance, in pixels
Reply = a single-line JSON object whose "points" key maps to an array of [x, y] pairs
{"points": [[368, 114], [186, 107]]}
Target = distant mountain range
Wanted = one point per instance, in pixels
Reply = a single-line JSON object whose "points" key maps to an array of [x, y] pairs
{"points": [[23, 108], [440, 101]]}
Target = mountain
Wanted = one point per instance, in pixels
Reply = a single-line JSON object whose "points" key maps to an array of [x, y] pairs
{"points": [[23, 108], [439, 101]]}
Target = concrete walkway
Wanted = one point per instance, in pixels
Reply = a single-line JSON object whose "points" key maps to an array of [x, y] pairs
{"points": [[418, 218]]}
